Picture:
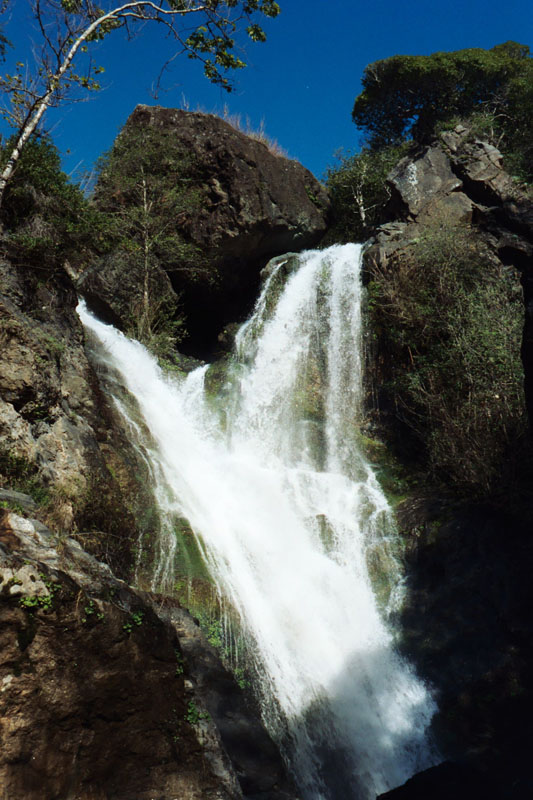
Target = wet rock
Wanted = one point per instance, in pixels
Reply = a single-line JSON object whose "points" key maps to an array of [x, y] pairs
{"points": [[256, 759], [99, 698], [443, 782]]}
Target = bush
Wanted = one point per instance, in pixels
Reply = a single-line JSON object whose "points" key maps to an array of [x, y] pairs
{"points": [[148, 183], [359, 193], [449, 321], [408, 97], [47, 219]]}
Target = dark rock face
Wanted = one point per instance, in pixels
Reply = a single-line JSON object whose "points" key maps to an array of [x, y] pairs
{"points": [[254, 205], [443, 782], [103, 698], [254, 756], [466, 623], [467, 627], [465, 181]]}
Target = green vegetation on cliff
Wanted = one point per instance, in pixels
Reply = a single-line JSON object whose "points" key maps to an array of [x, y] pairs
{"points": [[408, 97], [447, 320], [358, 191], [147, 184], [47, 219], [407, 100]]}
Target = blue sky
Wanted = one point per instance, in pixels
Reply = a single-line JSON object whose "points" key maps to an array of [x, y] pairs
{"points": [[301, 83]]}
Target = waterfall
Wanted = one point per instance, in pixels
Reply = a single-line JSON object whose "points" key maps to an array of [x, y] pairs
{"points": [[292, 524]]}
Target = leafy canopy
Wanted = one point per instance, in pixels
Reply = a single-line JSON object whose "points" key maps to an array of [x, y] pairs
{"points": [[406, 96], [56, 70], [46, 219]]}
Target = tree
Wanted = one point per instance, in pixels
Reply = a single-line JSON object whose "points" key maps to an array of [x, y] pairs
{"points": [[406, 96], [358, 191], [68, 27], [46, 219], [147, 183]]}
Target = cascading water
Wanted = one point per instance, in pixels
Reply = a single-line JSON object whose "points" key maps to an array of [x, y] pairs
{"points": [[293, 525]]}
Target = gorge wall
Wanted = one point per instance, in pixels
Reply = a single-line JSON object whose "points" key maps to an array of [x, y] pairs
{"points": [[92, 670], [468, 548], [65, 452]]}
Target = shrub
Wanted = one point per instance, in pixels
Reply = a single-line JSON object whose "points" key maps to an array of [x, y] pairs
{"points": [[359, 192], [449, 320], [47, 219]]}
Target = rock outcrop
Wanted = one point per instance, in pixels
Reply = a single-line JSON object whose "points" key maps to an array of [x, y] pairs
{"points": [[253, 205], [465, 181], [106, 692], [464, 623], [59, 437]]}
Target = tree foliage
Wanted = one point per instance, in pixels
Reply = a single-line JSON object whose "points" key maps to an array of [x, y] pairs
{"points": [[406, 97], [147, 184], [203, 31], [358, 191], [46, 219]]}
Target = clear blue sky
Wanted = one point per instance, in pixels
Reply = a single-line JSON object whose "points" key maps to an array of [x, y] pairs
{"points": [[302, 82]]}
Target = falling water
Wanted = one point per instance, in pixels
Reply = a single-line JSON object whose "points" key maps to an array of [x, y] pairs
{"points": [[292, 524]]}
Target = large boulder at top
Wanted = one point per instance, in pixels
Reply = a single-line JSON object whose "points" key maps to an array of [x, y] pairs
{"points": [[254, 204], [258, 204]]}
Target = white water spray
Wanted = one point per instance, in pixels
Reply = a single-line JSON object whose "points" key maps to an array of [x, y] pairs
{"points": [[291, 522]]}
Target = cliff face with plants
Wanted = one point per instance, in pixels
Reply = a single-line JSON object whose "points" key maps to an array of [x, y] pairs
{"points": [[201, 207], [91, 670], [442, 191], [450, 367], [110, 692], [186, 212]]}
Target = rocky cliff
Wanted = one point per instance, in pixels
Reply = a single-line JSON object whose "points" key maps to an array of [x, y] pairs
{"points": [[58, 437], [468, 551], [245, 205], [107, 692], [463, 179]]}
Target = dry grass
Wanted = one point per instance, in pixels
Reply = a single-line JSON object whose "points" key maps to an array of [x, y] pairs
{"points": [[244, 125]]}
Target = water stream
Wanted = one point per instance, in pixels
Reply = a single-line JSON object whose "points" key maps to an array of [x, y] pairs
{"points": [[292, 524]]}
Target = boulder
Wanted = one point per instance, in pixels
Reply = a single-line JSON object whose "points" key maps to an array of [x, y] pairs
{"points": [[418, 181], [254, 204]]}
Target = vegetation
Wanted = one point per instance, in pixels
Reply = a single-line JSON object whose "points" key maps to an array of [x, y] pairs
{"points": [[449, 319], [146, 183], [258, 133], [69, 27], [359, 192], [47, 220], [408, 97], [407, 100]]}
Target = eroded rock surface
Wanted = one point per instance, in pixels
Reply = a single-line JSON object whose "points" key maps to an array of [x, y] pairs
{"points": [[59, 436], [463, 180], [99, 700], [254, 205]]}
